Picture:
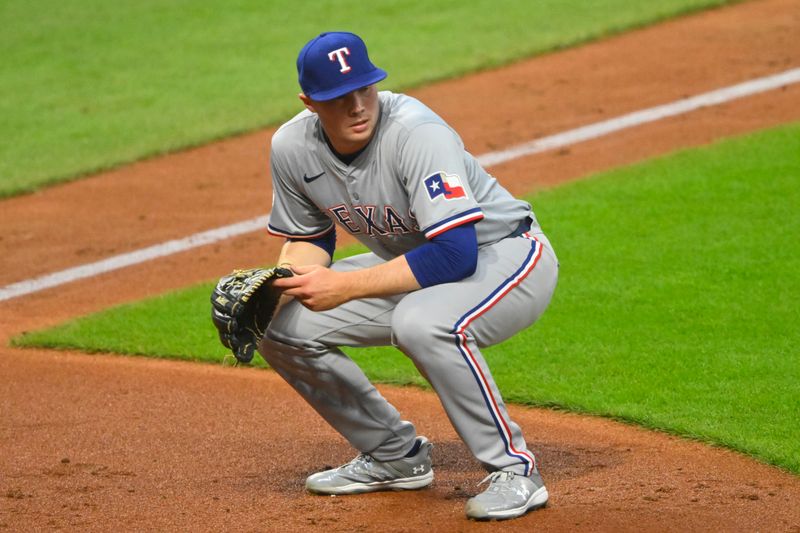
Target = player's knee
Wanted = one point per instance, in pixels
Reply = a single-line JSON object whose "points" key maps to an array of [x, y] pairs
{"points": [[414, 331], [280, 351], [270, 349], [289, 323]]}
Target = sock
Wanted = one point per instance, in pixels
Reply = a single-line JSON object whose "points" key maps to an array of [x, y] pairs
{"points": [[415, 448]]}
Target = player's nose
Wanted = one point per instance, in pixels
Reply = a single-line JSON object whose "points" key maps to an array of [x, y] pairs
{"points": [[356, 103]]}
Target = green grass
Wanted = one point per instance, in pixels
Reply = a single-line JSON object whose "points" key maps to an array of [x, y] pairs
{"points": [[676, 306], [89, 84]]}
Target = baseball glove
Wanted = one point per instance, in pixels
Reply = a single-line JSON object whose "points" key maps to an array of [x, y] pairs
{"points": [[242, 305]]}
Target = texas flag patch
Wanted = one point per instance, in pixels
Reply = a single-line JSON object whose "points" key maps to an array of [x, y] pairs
{"points": [[444, 185]]}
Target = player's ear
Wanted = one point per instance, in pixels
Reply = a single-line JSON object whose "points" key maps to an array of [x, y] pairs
{"points": [[307, 102]]}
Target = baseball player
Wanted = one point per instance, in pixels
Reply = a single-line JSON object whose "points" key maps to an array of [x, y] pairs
{"points": [[456, 264]]}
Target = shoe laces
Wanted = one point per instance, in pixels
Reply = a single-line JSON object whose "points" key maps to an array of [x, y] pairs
{"points": [[361, 460], [500, 476]]}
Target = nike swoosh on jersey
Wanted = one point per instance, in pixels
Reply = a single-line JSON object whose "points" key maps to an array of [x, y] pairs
{"points": [[309, 179]]}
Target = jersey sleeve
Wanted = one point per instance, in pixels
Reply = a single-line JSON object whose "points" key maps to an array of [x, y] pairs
{"points": [[448, 257], [432, 163], [293, 215]]}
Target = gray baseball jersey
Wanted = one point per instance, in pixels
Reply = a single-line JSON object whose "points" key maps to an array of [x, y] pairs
{"points": [[413, 181]]}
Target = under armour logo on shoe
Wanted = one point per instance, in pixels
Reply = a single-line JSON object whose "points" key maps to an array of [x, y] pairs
{"points": [[419, 469]]}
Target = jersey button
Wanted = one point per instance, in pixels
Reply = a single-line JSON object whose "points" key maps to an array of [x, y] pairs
{"points": [[355, 196]]}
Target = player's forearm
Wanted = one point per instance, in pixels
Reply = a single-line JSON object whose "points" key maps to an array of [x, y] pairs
{"points": [[299, 253], [392, 277], [320, 288]]}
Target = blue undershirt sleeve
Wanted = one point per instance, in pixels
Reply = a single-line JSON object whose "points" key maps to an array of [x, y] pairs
{"points": [[450, 256], [327, 242]]}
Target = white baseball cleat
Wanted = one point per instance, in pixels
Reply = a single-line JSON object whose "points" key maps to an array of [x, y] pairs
{"points": [[509, 495], [367, 474]]}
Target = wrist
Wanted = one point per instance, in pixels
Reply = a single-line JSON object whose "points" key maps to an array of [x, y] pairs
{"points": [[350, 286]]}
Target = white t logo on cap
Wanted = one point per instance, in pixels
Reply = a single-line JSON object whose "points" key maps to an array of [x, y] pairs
{"points": [[339, 55]]}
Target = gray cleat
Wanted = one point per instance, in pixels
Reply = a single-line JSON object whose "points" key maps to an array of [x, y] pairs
{"points": [[509, 495], [366, 474]]}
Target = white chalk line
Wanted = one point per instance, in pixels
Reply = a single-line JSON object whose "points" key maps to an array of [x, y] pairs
{"points": [[132, 258], [559, 140], [644, 116]]}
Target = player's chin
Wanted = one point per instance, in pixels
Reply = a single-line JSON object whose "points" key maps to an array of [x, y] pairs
{"points": [[355, 141]]}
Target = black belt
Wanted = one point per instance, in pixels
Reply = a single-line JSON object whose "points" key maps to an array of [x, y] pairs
{"points": [[523, 227]]}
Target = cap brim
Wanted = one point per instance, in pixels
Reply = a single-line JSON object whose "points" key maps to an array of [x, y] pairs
{"points": [[352, 84]]}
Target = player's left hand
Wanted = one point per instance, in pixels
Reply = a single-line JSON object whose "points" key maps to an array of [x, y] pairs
{"points": [[316, 287]]}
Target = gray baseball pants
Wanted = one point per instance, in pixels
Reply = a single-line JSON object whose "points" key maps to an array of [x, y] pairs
{"points": [[441, 328]]}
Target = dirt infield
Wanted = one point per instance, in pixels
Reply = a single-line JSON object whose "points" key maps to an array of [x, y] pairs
{"points": [[104, 442]]}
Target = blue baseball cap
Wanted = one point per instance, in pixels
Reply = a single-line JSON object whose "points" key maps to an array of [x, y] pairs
{"points": [[334, 64]]}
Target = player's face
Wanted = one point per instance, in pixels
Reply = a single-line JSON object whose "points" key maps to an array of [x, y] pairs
{"points": [[349, 121]]}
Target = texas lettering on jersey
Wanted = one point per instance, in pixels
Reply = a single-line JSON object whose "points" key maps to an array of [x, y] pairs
{"points": [[390, 198], [372, 220]]}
